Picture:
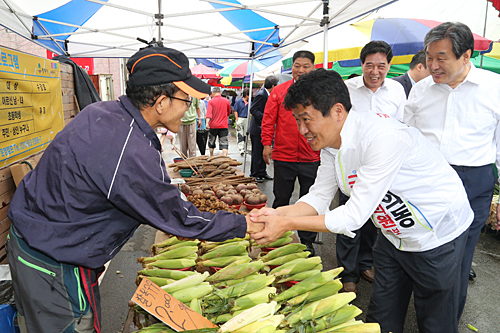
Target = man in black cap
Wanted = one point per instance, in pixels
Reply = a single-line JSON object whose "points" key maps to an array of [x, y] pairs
{"points": [[100, 178]]}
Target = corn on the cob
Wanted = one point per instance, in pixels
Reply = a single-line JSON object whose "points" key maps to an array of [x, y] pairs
{"points": [[220, 246], [339, 327], [232, 282], [210, 245], [186, 295], [221, 261], [195, 305], [225, 251], [166, 273], [156, 280], [179, 245], [249, 316], [237, 272], [250, 300], [342, 315], [262, 326], [284, 250], [279, 242], [287, 258], [355, 327], [244, 288], [328, 289], [300, 276], [296, 266], [156, 328], [187, 282], [309, 284], [181, 252], [322, 307], [168, 242], [172, 263], [226, 317]]}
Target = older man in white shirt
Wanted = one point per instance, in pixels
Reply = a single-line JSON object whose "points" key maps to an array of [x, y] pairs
{"points": [[370, 92], [400, 179], [458, 110]]}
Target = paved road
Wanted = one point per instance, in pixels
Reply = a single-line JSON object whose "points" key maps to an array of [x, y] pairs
{"points": [[482, 309]]}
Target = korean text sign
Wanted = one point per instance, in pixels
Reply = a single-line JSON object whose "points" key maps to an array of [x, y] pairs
{"points": [[166, 308], [31, 112]]}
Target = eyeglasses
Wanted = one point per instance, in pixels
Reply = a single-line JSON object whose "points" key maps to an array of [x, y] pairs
{"points": [[187, 101]]}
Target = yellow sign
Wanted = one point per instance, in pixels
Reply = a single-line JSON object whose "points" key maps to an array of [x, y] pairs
{"points": [[166, 308], [31, 112]]}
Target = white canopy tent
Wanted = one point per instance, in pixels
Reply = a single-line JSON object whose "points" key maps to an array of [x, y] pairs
{"points": [[199, 28]]}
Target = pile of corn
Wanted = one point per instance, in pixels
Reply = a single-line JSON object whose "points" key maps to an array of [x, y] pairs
{"points": [[248, 296]]}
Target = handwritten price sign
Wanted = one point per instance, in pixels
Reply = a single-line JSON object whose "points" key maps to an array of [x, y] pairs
{"points": [[166, 308]]}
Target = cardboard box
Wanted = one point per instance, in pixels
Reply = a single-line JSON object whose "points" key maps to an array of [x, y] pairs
{"points": [[18, 171]]}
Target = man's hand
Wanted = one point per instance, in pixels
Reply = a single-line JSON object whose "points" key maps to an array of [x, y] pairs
{"points": [[199, 123], [274, 227], [267, 154], [207, 123], [266, 211], [253, 227]]}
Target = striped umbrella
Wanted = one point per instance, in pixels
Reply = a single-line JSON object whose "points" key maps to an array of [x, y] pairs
{"points": [[238, 69], [203, 72]]}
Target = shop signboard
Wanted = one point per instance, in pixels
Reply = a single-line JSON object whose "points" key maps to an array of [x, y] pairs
{"points": [[31, 108]]}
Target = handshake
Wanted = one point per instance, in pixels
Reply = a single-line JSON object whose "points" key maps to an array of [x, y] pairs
{"points": [[265, 225]]}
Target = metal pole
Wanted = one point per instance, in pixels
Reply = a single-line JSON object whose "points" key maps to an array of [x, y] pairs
{"points": [[248, 114], [325, 34], [160, 16], [484, 30]]}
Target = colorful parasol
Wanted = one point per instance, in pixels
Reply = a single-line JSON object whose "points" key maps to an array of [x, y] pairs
{"points": [[406, 37], [203, 72], [238, 69]]}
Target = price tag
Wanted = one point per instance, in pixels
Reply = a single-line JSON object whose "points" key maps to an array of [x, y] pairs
{"points": [[166, 308]]}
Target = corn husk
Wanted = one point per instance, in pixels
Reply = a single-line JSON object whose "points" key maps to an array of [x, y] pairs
{"points": [[328, 289], [187, 282], [309, 284], [296, 266], [342, 315], [172, 263], [249, 316], [166, 273], [287, 258], [250, 300], [282, 251], [225, 251], [244, 288], [320, 308], [186, 295], [237, 272]]}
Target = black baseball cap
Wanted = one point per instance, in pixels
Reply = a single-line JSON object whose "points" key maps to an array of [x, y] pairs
{"points": [[154, 66]]}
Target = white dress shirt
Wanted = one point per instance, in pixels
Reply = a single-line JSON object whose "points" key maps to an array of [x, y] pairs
{"points": [[463, 123], [390, 98], [391, 172]]}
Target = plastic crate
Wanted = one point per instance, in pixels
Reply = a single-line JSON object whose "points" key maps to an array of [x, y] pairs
{"points": [[7, 316]]}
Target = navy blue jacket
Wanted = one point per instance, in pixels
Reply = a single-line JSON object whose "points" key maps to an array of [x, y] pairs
{"points": [[99, 179], [405, 82], [257, 111]]}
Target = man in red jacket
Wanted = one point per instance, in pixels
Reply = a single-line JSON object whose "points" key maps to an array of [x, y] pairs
{"points": [[292, 156]]}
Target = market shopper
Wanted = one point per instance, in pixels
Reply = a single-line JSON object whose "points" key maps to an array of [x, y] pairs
{"points": [[241, 115], [458, 109], [218, 111], [292, 156], [187, 131], [400, 179], [96, 183], [258, 166]]}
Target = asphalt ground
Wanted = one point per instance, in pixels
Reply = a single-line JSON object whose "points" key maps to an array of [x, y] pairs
{"points": [[482, 309]]}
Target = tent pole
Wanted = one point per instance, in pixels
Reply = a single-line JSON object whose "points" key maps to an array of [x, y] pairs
{"points": [[249, 106], [484, 31], [160, 16], [325, 34]]}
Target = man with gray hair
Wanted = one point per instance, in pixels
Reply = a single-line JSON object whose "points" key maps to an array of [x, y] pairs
{"points": [[418, 71], [458, 110]]}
